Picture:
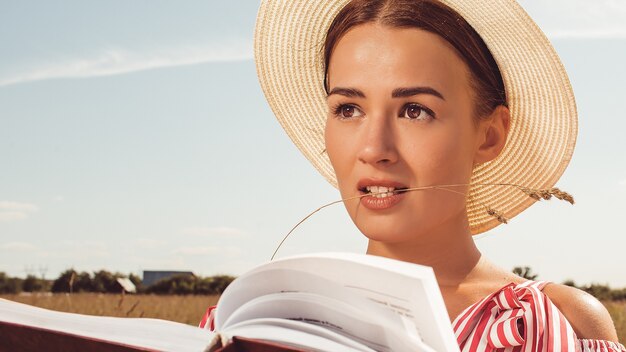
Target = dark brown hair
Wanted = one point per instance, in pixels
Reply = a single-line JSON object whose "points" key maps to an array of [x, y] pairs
{"points": [[434, 17]]}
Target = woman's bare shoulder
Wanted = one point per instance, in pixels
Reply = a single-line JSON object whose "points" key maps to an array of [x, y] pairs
{"points": [[585, 313]]}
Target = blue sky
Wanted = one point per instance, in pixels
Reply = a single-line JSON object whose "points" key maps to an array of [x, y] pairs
{"points": [[134, 135]]}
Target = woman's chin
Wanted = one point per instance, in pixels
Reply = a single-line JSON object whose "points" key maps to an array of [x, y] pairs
{"points": [[388, 233]]}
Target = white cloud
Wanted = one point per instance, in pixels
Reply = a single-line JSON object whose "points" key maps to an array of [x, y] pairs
{"points": [[117, 61], [590, 33], [579, 18], [15, 211], [16, 206], [622, 184], [148, 243], [213, 231], [207, 250], [196, 250], [18, 247], [84, 250], [8, 216]]}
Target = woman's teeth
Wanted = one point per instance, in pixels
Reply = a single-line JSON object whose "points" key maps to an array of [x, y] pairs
{"points": [[380, 191]]}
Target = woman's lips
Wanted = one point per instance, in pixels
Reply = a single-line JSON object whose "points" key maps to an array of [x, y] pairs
{"points": [[380, 194], [373, 203]]}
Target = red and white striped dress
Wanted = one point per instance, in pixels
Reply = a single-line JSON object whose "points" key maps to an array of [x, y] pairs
{"points": [[521, 318], [515, 318]]}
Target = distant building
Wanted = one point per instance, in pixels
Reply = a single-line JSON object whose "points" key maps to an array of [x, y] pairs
{"points": [[126, 285], [152, 276]]}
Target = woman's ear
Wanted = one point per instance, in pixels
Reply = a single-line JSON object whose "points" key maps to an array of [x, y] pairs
{"points": [[492, 135]]}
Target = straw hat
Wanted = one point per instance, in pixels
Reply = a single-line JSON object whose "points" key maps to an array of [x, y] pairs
{"points": [[288, 42]]}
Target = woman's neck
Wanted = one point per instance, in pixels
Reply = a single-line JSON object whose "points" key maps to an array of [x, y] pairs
{"points": [[449, 250]]}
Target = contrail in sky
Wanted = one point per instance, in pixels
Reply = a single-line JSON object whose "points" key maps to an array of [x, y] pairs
{"points": [[119, 61]]}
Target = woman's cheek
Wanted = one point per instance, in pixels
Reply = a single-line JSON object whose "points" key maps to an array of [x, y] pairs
{"points": [[339, 151], [452, 156]]}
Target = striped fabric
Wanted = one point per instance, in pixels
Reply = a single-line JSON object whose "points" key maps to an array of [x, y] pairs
{"points": [[517, 318], [207, 321], [521, 318]]}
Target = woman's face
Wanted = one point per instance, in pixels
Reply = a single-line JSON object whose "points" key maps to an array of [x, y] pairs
{"points": [[400, 116]]}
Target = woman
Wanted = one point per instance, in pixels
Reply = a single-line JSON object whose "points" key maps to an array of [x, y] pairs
{"points": [[464, 101]]}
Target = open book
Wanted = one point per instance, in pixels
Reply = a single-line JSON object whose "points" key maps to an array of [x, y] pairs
{"points": [[323, 302]]}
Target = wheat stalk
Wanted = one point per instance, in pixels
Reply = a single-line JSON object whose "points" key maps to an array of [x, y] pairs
{"points": [[548, 193], [498, 215], [535, 193]]}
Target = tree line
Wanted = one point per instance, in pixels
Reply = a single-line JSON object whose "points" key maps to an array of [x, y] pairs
{"points": [[601, 292], [102, 281]]}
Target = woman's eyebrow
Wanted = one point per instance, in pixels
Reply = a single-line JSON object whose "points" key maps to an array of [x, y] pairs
{"points": [[348, 92], [396, 93], [411, 91]]}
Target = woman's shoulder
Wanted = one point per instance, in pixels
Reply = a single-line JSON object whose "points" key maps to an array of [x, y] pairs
{"points": [[587, 316]]}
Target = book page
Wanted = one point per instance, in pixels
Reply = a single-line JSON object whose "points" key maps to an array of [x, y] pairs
{"points": [[355, 320], [141, 332], [408, 290], [294, 333]]}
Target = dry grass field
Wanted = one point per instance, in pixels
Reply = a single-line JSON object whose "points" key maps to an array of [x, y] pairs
{"points": [[618, 312], [184, 309]]}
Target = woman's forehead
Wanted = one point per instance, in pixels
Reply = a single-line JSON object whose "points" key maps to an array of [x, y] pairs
{"points": [[382, 56]]}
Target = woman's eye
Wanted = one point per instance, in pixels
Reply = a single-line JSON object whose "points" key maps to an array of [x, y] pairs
{"points": [[347, 111], [417, 112]]}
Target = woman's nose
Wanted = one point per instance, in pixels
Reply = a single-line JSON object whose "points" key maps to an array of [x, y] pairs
{"points": [[378, 146]]}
